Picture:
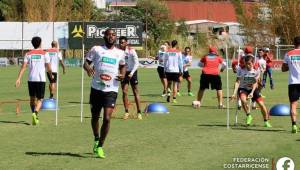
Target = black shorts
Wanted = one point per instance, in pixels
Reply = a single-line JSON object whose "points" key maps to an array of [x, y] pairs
{"points": [[132, 81], [214, 81], [100, 99], [294, 92], [172, 77], [256, 94], [161, 72], [54, 77], [186, 74], [36, 89]]}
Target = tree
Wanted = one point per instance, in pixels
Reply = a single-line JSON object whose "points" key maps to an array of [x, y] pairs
{"points": [[182, 28]]}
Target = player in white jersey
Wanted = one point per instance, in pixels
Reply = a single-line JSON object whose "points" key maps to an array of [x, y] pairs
{"points": [[161, 70], [37, 60], [246, 87], [55, 59], [132, 63], [291, 63], [173, 68], [187, 59], [107, 70]]}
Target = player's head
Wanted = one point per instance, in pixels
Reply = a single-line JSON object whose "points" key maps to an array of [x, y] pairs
{"points": [[249, 61], [260, 52], [163, 48], [213, 50], [54, 44], [174, 43], [123, 42], [109, 37], [36, 42], [266, 49], [248, 50], [187, 50], [297, 42], [167, 44]]}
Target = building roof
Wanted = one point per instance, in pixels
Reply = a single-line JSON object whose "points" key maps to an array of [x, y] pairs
{"points": [[213, 11]]}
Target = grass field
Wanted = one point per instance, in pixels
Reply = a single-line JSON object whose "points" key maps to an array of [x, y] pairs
{"points": [[186, 138]]}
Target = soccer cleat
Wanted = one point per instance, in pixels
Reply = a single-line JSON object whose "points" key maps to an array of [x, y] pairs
{"points": [[190, 94], [294, 129], [174, 101], [239, 107], [139, 116], [95, 146], [126, 116], [249, 120], [179, 94], [164, 95], [267, 124], [35, 119], [168, 99], [100, 152], [221, 106]]}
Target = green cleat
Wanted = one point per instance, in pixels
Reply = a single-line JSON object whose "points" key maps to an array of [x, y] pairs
{"points": [[249, 120], [95, 146], [190, 94], [35, 119], [178, 94], [174, 101], [100, 152], [294, 129], [267, 124]]}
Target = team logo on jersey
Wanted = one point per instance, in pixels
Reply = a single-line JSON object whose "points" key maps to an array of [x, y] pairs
{"points": [[105, 77], [108, 60], [77, 31]]}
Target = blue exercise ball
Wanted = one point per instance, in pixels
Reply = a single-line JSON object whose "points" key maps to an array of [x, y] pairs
{"points": [[280, 110], [49, 104], [157, 108]]}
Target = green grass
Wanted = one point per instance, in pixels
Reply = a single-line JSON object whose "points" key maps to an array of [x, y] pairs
{"points": [[187, 138]]}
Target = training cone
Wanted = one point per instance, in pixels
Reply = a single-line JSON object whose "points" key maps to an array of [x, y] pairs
{"points": [[280, 110], [49, 104], [157, 108]]}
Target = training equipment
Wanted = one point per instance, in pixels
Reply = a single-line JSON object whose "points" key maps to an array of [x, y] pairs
{"points": [[196, 104], [49, 104], [280, 110], [157, 108]]}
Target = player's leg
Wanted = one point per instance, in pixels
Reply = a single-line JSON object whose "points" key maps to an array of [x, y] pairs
{"points": [[179, 85], [264, 78], [188, 78], [243, 96], [271, 78], [204, 84], [95, 111], [259, 100], [124, 86], [216, 83], [163, 80], [134, 87], [294, 94], [169, 81]]}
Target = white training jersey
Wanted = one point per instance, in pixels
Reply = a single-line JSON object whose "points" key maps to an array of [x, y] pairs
{"points": [[36, 59], [160, 58], [261, 64], [131, 59], [55, 56], [292, 58], [247, 78], [173, 61], [186, 59], [106, 65]]}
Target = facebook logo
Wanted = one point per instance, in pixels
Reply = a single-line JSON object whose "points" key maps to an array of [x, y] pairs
{"points": [[285, 163]]}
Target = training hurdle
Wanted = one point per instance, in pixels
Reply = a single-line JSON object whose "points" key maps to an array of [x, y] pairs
{"points": [[17, 102]]}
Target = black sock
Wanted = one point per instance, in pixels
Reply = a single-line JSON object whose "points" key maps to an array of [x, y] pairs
{"points": [[265, 120], [189, 91], [32, 108], [126, 110], [51, 95], [36, 112], [247, 114], [139, 112], [96, 138], [174, 97], [293, 123]]}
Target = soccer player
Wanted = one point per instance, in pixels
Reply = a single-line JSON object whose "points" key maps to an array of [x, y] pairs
{"points": [[187, 59], [131, 77], [268, 57], [246, 87], [55, 57], [38, 60], [291, 63], [173, 68], [161, 70], [211, 75], [108, 68]]}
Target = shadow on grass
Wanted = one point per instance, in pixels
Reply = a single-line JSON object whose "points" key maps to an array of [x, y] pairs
{"points": [[243, 127], [55, 154], [15, 122], [255, 129], [78, 102], [85, 117]]}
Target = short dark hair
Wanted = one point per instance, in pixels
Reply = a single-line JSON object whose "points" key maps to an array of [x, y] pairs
{"points": [[187, 48], [297, 41], [174, 43], [36, 41], [123, 38], [249, 57], [167, 43], [107, 30]]}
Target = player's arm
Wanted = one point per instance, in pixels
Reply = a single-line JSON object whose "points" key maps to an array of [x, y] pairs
{"points": [[21, 72], [136, 63], [62, 63], [235, 89], [48, 67], [87, 63], [180, 63], [285, 66]]}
